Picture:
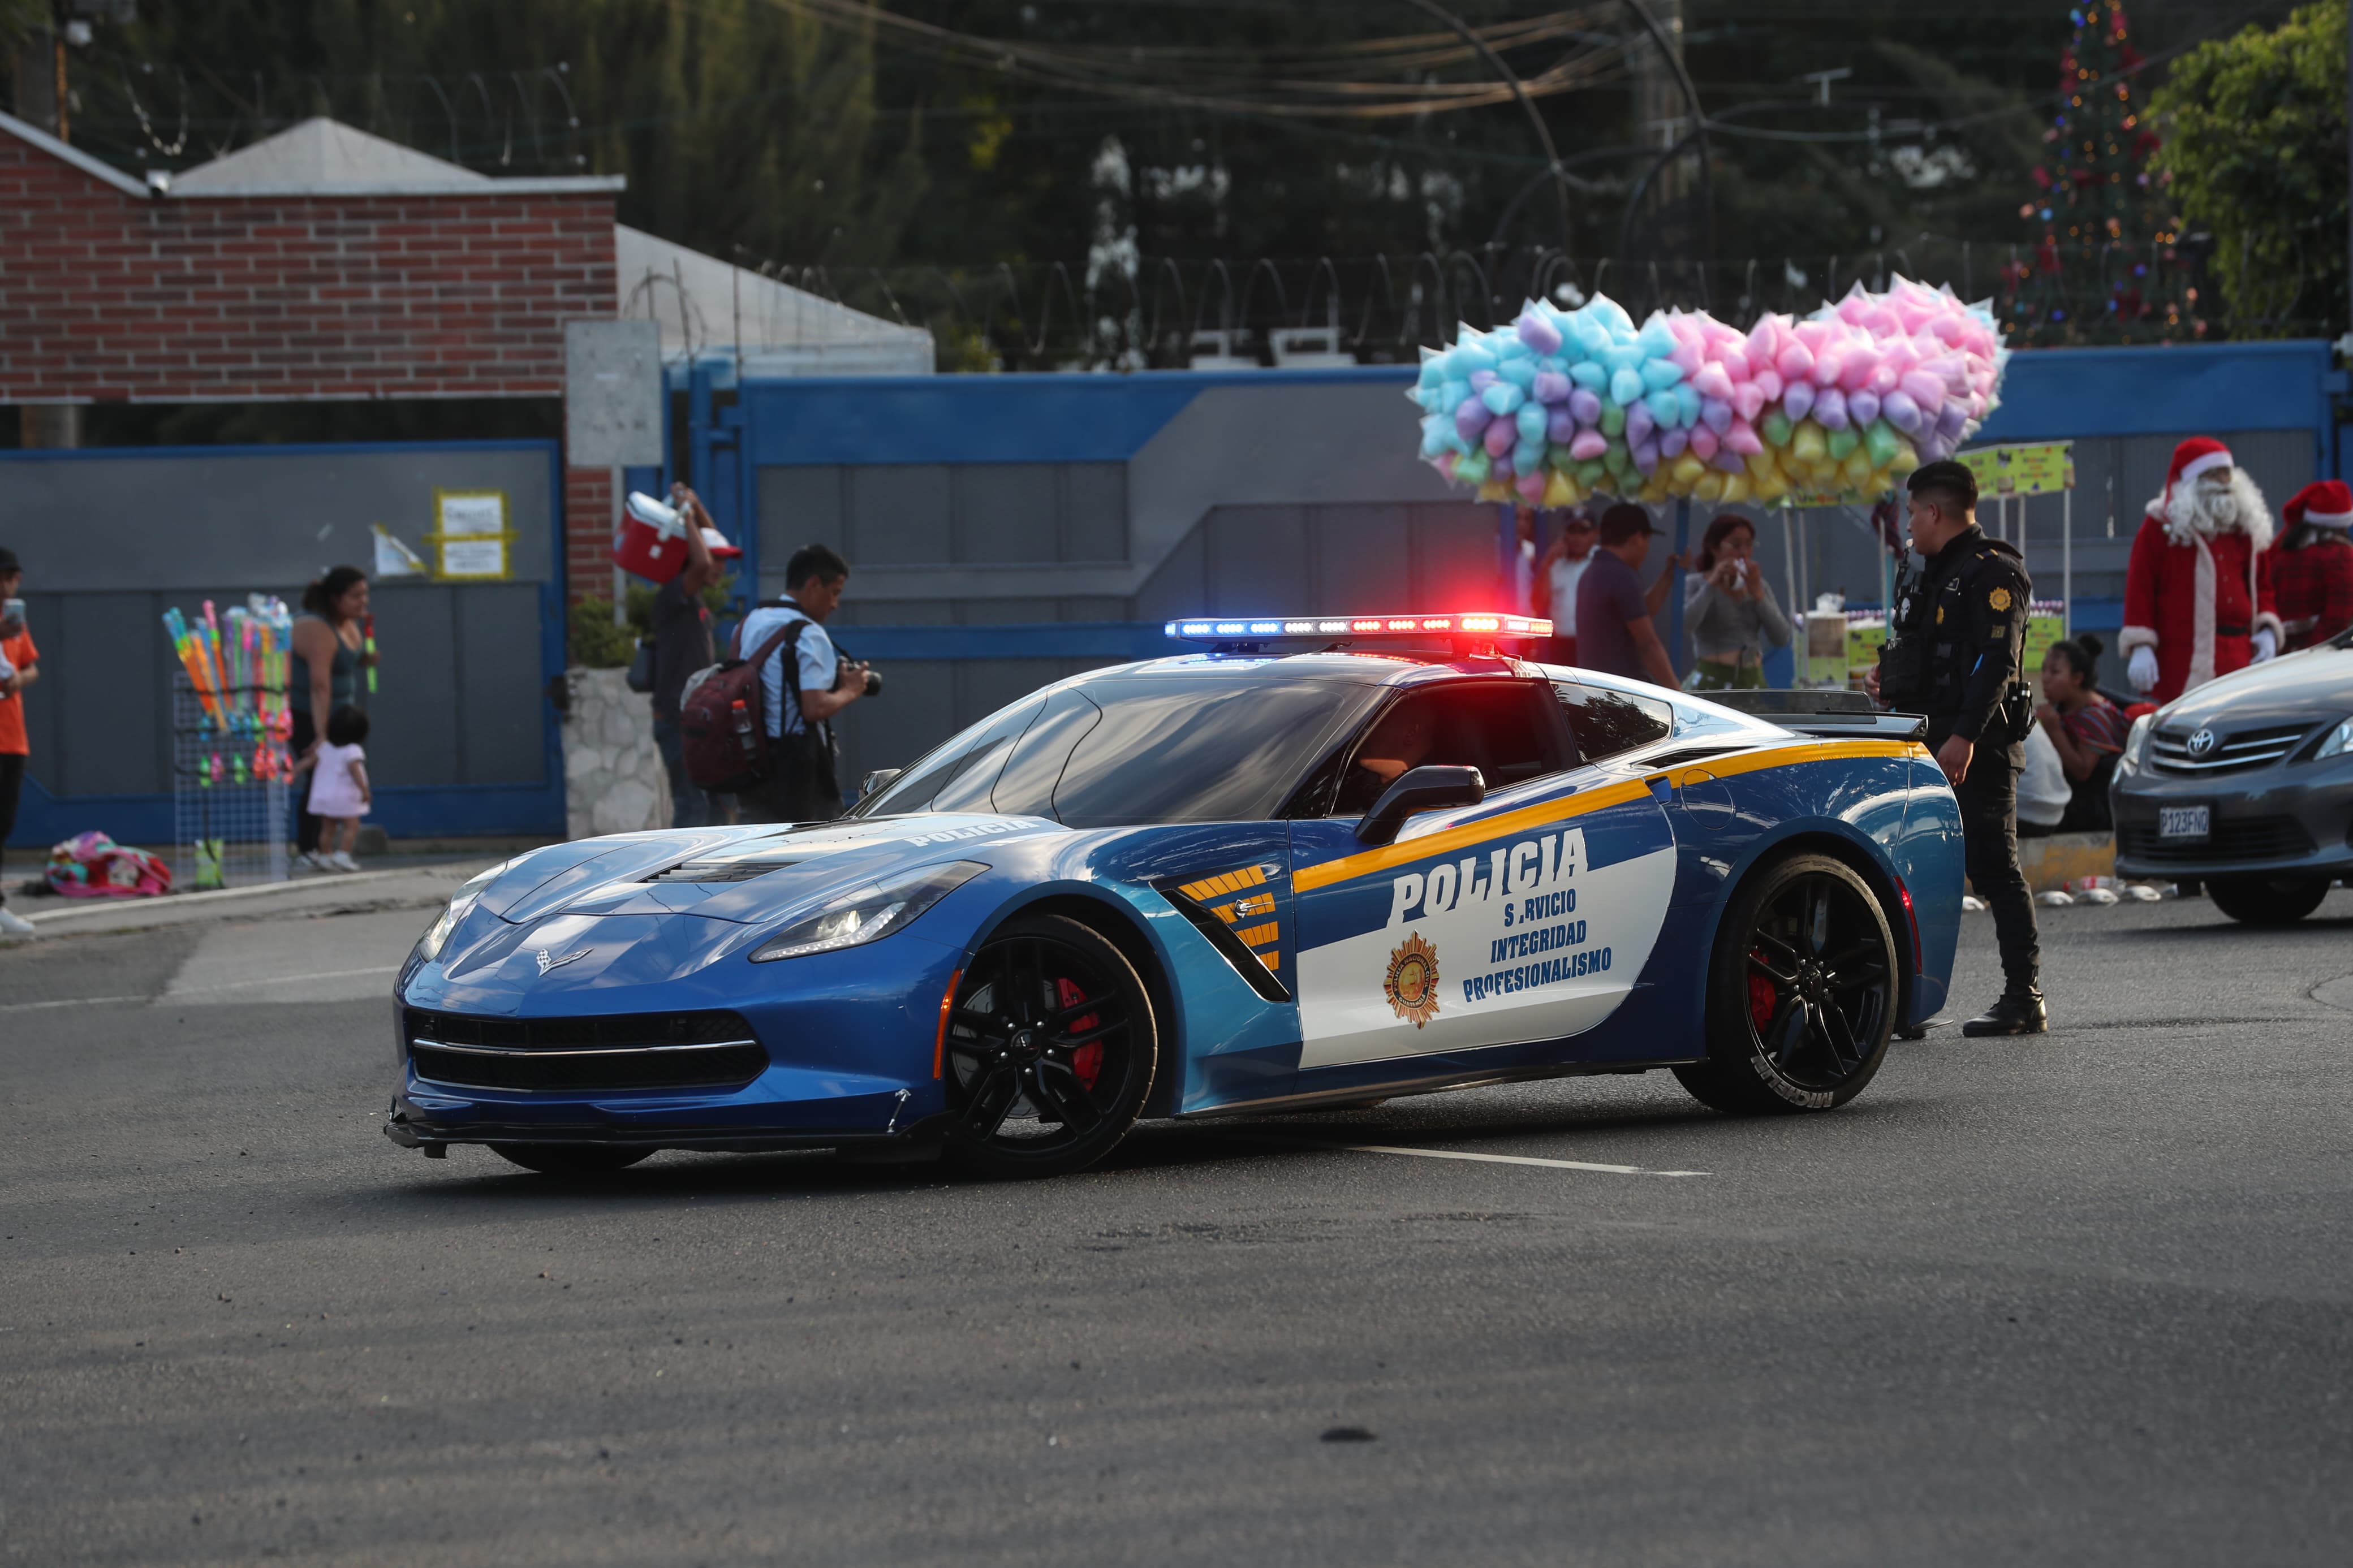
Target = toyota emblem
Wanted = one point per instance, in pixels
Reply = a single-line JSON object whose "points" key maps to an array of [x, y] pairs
{"points": [[2202, 742]]}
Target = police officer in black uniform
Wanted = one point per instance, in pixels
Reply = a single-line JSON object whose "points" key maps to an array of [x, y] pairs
{"points": [[1954, 653]]}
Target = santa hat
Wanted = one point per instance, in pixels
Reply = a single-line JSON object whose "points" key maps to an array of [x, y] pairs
{"points": [[2325, 503], [2193, 458]]}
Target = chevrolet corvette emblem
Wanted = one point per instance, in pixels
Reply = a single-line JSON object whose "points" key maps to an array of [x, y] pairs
{"points": [[546, 963]]}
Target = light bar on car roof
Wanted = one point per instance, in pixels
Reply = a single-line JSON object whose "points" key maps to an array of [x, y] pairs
{"points": [[1474, 623]]}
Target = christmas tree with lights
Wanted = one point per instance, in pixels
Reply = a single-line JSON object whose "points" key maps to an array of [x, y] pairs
{"points": [[2107, 268]]}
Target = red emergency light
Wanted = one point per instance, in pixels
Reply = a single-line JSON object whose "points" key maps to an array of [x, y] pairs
{"points": [[1482, 624]]}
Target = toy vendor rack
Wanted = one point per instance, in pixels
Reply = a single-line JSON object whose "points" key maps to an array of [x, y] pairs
{"points": [[231, 771]]}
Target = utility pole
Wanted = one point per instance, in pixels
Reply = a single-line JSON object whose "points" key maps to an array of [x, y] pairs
{"points": [[1661, 114]]}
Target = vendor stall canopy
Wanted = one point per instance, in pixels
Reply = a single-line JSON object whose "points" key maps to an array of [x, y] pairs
{"points": [[1563, 404]]}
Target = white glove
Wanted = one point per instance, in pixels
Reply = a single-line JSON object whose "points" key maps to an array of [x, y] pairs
{"points": [[2266, 643], [2144, 668]]}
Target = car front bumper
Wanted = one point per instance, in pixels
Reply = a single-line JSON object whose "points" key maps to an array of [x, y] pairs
{"points": [[2291, 819]]}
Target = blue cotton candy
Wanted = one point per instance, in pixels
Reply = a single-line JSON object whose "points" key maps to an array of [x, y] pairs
{"points": [[1666, 411], [1508, 347], [1657, 339], [1527, 457], [1531, 418], [1589, 334], [1623, 356], [1661, 373], [1450, 395], [1503, 397], [1610, 313], [1433, 370], [1472, 356], [1686, 404], [1593, 377], [1520, 371], [1435, 428], [1625, 386]]}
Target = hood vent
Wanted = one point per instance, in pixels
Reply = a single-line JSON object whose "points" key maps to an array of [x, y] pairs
{"points": [[720, 870]]}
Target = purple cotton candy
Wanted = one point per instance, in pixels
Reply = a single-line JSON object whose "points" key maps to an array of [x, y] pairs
{"points": [[1951, 419], [1501, 469], [1798, 401], [1646, 457], [1480, 380], [1470, 417], [1559, 428], [1551, 387], [1539, 334], [1862, 407], [1672, 442], [1931, 448], [1638, 423], [1898, 410], [1715, 414], [1585, 406], [1728, 461], [1830, 408]]}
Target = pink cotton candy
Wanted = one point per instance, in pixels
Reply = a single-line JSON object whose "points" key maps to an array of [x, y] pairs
{"points": [[1830, 408], [1814, 333], [1769, 382], [1796, 364], [1446, 466], [1748, 399], [1715, 414], [1589, 445], [1688, 355], [1947, 368], [1829, 366], [1671, 443], [1898, 410], [1501, 438], [1742, 438], [1710, 382], [1703, 442], [1862, 407], [1883, 380], [1860, 361], [1531, 487], [1799, 401], [1926, 391], [1760, 348]]}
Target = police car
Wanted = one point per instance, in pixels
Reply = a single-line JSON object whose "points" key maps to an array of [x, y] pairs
{"points": [[1323, 861]]}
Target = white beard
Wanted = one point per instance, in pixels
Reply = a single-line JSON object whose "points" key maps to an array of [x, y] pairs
{"points": [[2201, 509]]}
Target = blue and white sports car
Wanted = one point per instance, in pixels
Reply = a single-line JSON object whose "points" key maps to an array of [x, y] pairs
{"points": [[1294, 870]]}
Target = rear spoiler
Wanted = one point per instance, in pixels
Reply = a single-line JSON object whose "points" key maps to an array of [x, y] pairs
{"points": [[1829, 714]]}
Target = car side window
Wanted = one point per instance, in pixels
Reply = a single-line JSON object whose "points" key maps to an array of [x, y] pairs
{"points": [[960, 774], [1608, 722], [1025, 787], [1500, 728]]}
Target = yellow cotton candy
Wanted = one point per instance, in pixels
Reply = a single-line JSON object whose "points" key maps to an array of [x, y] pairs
{"points": [[1905, 458], [1759, 464], [1809, 445], [1654, 489], [1497, 490], [1735, 489], [1687, 470], [1856, 470], [1772, 487], [1560, 491], [1710, 486]]}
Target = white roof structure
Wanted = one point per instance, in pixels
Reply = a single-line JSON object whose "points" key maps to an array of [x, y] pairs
{"points": [[706, 308], [324, 157]]}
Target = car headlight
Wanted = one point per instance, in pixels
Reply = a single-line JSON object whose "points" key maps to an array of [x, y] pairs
{"points": [[437, 936], [2337, 743], [868, 912], [2136, 741]]}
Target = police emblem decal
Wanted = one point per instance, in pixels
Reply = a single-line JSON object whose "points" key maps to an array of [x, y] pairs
{"points": [[546, 963], [1411, 985], [1999, 598]]}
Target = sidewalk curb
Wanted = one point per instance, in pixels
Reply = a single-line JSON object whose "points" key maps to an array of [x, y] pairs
{"points": [[409, 886]]}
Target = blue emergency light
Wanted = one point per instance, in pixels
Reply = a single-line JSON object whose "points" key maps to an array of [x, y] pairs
{"points": [[1485, 624]]}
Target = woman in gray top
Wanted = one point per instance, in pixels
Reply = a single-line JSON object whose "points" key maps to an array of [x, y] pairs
{"points": [[330, 651], [1730, 610]]}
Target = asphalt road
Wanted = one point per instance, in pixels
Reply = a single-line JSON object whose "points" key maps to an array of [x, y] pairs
{"points": [[2087, 1299]]}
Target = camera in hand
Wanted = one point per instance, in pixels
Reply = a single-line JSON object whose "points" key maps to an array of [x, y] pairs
{"points": [[874, 683]]}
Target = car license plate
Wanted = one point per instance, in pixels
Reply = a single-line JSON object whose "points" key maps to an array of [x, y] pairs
{"points": [[2184, 821]]}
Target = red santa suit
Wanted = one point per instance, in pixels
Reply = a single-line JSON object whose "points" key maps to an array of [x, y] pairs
{"points": [[2197, 587], [2311, 571]]}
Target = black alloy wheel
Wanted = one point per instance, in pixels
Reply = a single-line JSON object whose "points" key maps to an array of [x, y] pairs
{"points": [[2267, 901], [570, 1159], [1802, 994], [1051, 1047]]}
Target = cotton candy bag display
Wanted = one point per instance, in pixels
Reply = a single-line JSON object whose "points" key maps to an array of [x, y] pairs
{"points": [[1563, 404]]}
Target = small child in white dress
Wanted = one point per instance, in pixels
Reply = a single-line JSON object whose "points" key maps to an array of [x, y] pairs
{"points": [[339, 786]]}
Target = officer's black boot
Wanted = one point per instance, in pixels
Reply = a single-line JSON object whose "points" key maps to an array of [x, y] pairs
{"points": [[2018, 1012]]}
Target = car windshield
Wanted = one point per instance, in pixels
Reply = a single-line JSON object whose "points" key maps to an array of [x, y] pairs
{"points": [[1119, 751]]}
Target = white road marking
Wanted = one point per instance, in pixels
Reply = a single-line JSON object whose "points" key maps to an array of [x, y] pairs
{"points": [[1516, 1160], [277, 980], [69, 1001]]}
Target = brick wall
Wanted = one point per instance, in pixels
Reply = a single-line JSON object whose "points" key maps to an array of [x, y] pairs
{"points": [[106, 297]]}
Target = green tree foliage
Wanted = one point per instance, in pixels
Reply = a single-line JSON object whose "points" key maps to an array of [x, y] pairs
{"points": [[2254, 141]]}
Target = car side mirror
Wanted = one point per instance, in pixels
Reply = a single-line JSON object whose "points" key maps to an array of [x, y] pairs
{"points": [[1419, 789], [880, 778]]}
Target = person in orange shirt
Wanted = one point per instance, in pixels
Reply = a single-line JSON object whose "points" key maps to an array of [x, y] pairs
{"points": [[20, 665]]}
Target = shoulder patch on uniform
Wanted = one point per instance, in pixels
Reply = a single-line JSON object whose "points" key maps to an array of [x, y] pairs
{"points": [[1999, 598]]}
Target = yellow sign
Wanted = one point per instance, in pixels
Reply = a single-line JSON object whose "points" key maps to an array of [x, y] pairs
{"points": [[2046, 623], [2041, 469], [470, 536]]}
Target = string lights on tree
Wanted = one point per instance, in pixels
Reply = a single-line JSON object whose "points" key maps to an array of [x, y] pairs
{"points": [[2103, 209]]}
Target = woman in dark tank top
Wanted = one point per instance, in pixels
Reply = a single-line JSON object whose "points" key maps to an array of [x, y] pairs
{"points": [[323, 676]]}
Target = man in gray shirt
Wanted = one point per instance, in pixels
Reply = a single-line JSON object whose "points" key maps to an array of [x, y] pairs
{"points": [[1614, 634]]}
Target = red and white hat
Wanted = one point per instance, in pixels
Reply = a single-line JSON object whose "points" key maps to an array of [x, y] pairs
{"points": [[2325, 503], [2193, 458]]}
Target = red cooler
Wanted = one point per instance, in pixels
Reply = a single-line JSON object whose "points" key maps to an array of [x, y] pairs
{"points": [[652, 541]]}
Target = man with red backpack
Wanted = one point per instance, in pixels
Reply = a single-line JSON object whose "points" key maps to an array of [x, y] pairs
{"points": [[778, 763]]}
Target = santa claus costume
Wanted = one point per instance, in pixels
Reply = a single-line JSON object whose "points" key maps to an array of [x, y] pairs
{"points": [[2197, 589], [2311, 571]]}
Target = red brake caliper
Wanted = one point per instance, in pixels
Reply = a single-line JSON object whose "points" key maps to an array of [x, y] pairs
{"points": [[1762, 997], [1087, 1060]]}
